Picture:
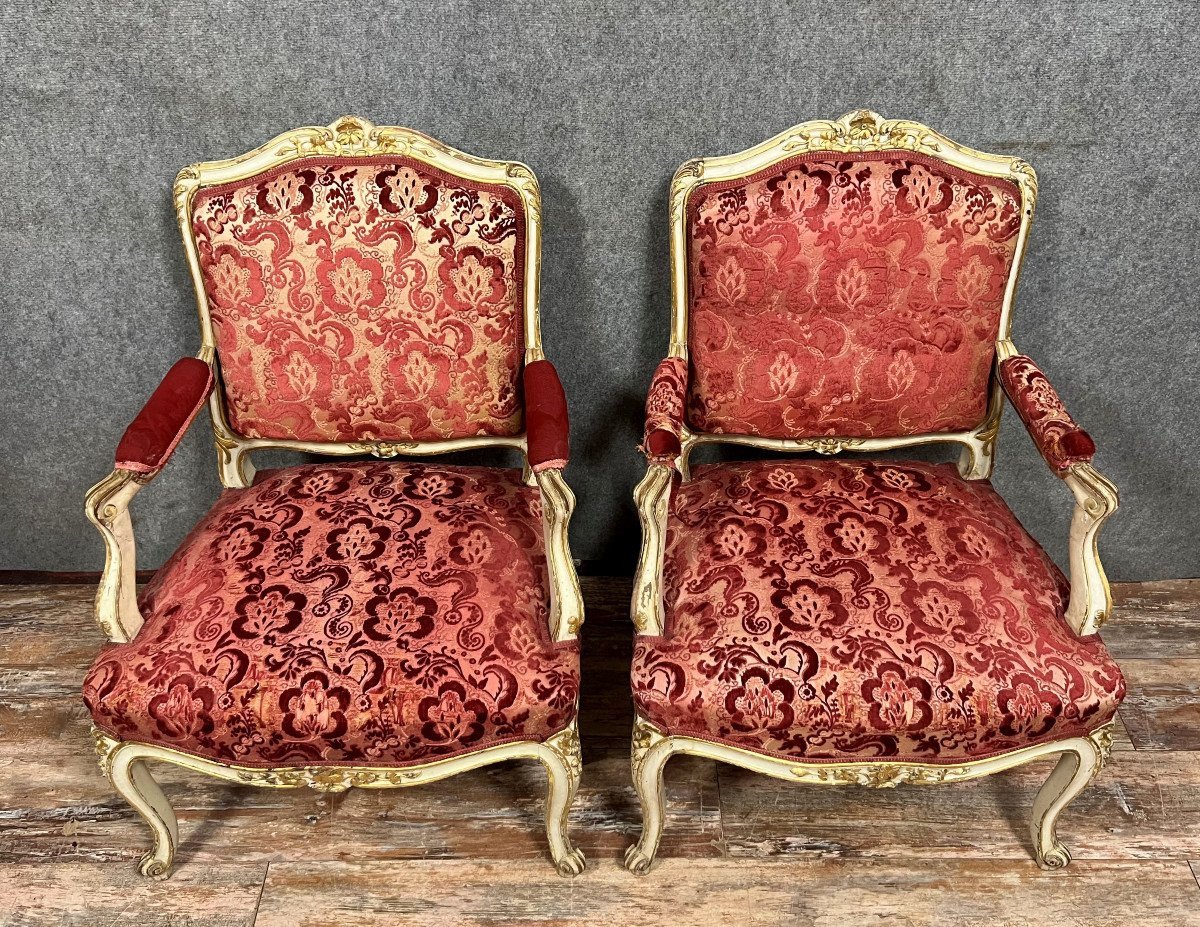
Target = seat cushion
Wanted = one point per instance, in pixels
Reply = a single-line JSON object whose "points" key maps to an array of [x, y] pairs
{"points": [[365, 613], [832, 610]]}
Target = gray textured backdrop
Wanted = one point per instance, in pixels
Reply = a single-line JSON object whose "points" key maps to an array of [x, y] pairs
{"points": [[103, 103]]}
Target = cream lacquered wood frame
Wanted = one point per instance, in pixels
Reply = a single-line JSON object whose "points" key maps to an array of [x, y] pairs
{"points": [[1081, 758], [107, 506]]}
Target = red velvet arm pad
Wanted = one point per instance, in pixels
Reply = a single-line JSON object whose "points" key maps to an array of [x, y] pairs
{"points": [[151, 439], [1059, 440], [546, 424], [664, 410]]}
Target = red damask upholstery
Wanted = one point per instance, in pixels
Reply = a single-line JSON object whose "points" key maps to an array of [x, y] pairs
{"points": [[358, 613], [153, 435], [548, 427], [664, 410], [1059, 440], [365, 298], [831, 610], [847, 295]]}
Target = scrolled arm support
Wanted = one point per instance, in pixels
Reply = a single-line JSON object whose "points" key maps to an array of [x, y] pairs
{"points": [[665, 446], [1095, 500], [107, 507], [653, 500], [566, 600], [144, 450]]}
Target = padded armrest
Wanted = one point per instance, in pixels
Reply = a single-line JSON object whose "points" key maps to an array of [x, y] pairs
{"points": [[153, 436], [664, 410], [546, 423], [1058, 438]]}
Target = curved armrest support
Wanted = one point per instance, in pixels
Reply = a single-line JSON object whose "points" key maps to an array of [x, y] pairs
{"points": [[1059, 440], [664, 411], [144, 449], [107, 507], [1095, 500], [546, 424], [653, 500], [566, 600]]}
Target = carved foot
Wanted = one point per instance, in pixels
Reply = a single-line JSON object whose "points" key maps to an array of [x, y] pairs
{"points": [[636, 861], [152, 867], [1057, 857], [571, 864]]}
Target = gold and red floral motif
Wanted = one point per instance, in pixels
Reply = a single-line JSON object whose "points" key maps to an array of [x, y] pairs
{"points": [[665, 410], [369, 614], [853, 610], [365, 298], [852, 296], [1059, 439]]}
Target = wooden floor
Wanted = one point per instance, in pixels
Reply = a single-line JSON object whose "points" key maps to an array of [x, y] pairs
{"points": [[738, 849]]}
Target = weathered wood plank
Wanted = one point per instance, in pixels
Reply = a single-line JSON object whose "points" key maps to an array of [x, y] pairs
{"points": [[818, 892], [1154, 620], [1162, 707], [48, 626], [83, 895], [1144, 805]]}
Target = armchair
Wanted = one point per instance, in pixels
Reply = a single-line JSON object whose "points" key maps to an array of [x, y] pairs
{"points": [[363, 290], [847, 286]]}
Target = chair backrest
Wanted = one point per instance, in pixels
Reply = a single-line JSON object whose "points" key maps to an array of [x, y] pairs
{"points": [[846, 279], [364, 288]]}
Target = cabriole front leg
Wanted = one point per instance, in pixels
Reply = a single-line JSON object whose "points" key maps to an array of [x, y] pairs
{"points": [[563, 760], [1080, 763], [651, 750], [125, 766]]}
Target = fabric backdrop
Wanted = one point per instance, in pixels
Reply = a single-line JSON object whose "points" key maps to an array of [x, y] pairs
{"points": [[103, 102]]}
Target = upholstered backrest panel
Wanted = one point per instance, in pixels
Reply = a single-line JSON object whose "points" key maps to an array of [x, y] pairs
{"points": [[365, 298], [846, 295]]}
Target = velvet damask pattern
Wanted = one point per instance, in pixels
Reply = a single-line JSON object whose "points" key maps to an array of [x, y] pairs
{"points": [[853, 296], [154, 434], [361, 613], [665, 409], [365, 298], [1059, 440], [547, 424], [829, 610]]}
